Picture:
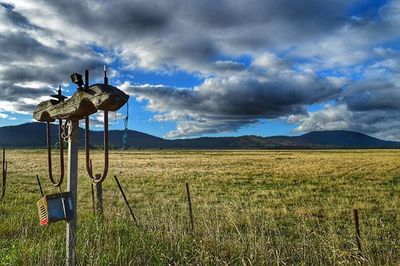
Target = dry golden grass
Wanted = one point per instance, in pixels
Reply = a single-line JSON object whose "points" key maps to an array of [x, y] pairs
{"points": [[250, 207]]}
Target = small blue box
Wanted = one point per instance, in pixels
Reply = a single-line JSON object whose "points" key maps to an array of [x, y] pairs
{"points": [[55, 207]]}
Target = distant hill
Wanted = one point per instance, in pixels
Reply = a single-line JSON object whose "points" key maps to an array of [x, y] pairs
{"points": [[346, 139], [33, 135]]}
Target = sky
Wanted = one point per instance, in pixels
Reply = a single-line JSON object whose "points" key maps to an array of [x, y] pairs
{"points": [[211, 68]]}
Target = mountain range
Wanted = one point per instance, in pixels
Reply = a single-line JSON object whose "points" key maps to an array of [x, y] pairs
{"points": [[33, 135]]}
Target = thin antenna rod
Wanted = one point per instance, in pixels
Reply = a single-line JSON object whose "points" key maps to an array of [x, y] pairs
{"points": [[86, 79], [105, 75]]}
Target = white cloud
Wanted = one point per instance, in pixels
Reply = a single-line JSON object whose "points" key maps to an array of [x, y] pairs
{"points": [[97, 120], [3, 116]]}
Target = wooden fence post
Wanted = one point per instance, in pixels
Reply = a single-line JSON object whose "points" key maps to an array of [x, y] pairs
{"points": [[358, 236], [93, 200], [190, 206], [4, 175], [99, 197]]}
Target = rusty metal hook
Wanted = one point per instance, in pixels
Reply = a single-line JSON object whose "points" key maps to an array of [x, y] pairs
{"points": [[98, 178], [61, 144]]}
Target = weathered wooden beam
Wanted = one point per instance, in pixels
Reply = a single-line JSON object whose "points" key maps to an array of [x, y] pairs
{"points": [[82, 103]]}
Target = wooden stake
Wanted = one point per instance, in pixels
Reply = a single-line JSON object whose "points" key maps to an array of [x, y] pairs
{"points": [[93, 201], [190, 206], [99, 197], [126, 201], [4, 175], [72, 186], [358, 236], [40, 185]]}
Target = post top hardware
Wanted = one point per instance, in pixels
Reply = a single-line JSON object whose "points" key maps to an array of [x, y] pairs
{"points": [[59, 95]]}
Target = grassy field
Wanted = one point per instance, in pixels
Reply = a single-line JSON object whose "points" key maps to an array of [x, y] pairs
{"points": [[250, 208]]}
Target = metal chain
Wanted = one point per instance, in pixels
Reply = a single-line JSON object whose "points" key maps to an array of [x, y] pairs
{"points": [[124, 137], [125, 134], [66, 130]]}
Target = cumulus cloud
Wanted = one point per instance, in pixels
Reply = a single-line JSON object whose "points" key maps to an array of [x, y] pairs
{"points": [[369, 106], [97, 120], [379, 123], [30, 64]]}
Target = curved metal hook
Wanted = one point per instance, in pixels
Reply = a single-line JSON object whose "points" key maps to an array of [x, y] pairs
{"points": [[98, 178], [56, 184]]}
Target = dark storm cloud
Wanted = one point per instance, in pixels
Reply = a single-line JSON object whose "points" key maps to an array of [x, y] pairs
{"points": [[231, 102], [13, 93], [122, 18], [372, 95], [22, 47], [186, 35], [229, 66], [309, 15]]}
